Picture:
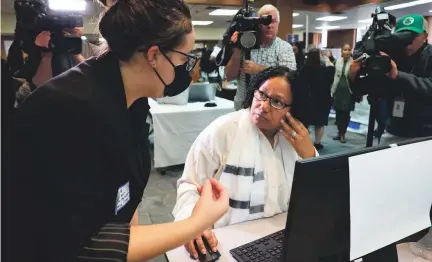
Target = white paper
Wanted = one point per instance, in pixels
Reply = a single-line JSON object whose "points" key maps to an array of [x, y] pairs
{"points": [[390, 196]]}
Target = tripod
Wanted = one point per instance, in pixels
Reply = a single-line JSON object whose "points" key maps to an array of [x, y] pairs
{"points": [[247, 56], [374, 104]]}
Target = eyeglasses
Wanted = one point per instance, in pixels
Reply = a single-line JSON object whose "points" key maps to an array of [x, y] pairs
{"points": [[274, 102], [191, 60]]}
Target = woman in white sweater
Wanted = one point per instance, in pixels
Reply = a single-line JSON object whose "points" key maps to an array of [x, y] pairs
{"points": [[252, 152]]}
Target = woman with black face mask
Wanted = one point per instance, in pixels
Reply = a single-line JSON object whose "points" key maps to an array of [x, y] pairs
{"points": [[80, 152]]}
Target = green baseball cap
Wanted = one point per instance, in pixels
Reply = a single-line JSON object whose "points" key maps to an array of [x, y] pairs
{"points": [[414, 23]]}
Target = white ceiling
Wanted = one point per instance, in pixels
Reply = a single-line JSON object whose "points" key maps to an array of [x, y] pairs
{"points": [[201, 13], [356, 14]]}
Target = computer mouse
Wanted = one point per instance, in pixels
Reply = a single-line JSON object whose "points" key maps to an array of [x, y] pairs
{"points": [[210, 104], [209, 256]]}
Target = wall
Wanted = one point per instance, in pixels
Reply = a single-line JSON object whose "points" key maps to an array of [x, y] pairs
{"points": [[336, 38], [90, 27]]}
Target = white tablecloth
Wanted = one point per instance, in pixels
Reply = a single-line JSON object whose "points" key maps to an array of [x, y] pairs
{"points": [[236, 235], [177, 126]]}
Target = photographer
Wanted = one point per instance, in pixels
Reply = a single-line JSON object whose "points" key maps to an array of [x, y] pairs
{"points": [[272, 52], [47, 57], [408, 85]]}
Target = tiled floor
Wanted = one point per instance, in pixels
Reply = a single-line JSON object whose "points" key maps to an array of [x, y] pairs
{"points": [[160, 194]]}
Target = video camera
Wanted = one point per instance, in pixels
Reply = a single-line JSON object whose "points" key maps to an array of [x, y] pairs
{"points": [[34, 16], [247, 23], [380, 38]]}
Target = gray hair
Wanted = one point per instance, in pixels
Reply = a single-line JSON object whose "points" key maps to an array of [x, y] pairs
{"points": [[269, 8]]}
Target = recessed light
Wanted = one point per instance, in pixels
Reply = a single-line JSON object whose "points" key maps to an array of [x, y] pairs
{"points": [[332, 18], [202, 22], [224, 12], [430, 11], [61, 5], [369, 20], [296, 26], [408, 4], [328, 27], [296, 14]]}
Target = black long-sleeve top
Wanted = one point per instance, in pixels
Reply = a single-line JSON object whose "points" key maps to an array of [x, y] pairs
{"points": [[76, 152]]}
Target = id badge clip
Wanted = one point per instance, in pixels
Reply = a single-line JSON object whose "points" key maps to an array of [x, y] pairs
{"points": [[399, 107]]}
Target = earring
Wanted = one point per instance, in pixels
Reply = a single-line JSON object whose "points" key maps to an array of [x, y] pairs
{"points": [[153, 63]]}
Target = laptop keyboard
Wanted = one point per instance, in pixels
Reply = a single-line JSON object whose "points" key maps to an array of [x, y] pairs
{"points": [[268, 248]]}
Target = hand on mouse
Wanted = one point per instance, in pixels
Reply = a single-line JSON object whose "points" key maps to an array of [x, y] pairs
{"points": [[211, 239], [212, 204]]}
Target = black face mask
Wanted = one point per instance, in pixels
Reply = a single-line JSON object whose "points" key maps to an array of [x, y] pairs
{"points": [[181, 82]]}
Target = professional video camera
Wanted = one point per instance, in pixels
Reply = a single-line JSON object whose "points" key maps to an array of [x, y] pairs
{"points": [[34, 16], [247, 23], [380, 38]]}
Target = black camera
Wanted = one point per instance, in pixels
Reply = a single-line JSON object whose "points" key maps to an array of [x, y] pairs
{"points": [[34, 16], [247, 23], [379, 38]]}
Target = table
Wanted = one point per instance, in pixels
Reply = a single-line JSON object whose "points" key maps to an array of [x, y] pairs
{"points": [[237, 235], [177, 126]]}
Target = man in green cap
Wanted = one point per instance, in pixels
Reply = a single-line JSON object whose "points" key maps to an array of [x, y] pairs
{"points": [[409, 85]]}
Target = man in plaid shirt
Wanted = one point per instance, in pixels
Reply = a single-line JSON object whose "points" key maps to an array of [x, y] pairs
{"points": [[273, 52]]}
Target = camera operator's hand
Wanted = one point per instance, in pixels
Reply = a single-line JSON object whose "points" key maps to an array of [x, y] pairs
{"points": [[76, 32], [393, 71], [250, 67], [354, 68], [234, 37], [43, 39]]}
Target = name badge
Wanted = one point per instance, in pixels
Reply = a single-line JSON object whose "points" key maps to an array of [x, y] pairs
{"points": [[398, 108], [123, 197]]}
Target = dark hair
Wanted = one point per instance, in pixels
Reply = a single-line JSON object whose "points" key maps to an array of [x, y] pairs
{"points": [[129, 25], [298, 102], [299, 45], [313, 58], [347, 44]]}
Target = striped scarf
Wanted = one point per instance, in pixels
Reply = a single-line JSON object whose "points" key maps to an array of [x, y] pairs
{"points": [[255, 176]]}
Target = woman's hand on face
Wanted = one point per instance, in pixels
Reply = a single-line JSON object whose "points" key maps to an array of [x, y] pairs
{"points": [[211, 239], [297, 134], [212, 204]]}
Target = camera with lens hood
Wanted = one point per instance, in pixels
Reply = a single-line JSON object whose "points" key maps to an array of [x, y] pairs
{"points": [[34, 16], [246, 23], [380, 38]]}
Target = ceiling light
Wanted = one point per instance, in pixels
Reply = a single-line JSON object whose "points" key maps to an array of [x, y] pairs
{"points": [[61, 5], [202, 22], [408, 4], [430, 11], [332, 18], [296, 14], [296, 26], [224, 12], [328, 27], [370, 20]]}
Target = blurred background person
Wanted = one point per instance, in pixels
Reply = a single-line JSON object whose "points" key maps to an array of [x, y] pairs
{"points": [[317, 77], [342, 94], [330, 56], [299, 54]]}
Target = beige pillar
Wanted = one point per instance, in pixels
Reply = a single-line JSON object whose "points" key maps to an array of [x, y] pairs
{"points": [[286, 19]]}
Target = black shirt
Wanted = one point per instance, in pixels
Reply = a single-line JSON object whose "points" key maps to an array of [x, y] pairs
{"points": [[75, 143]]}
